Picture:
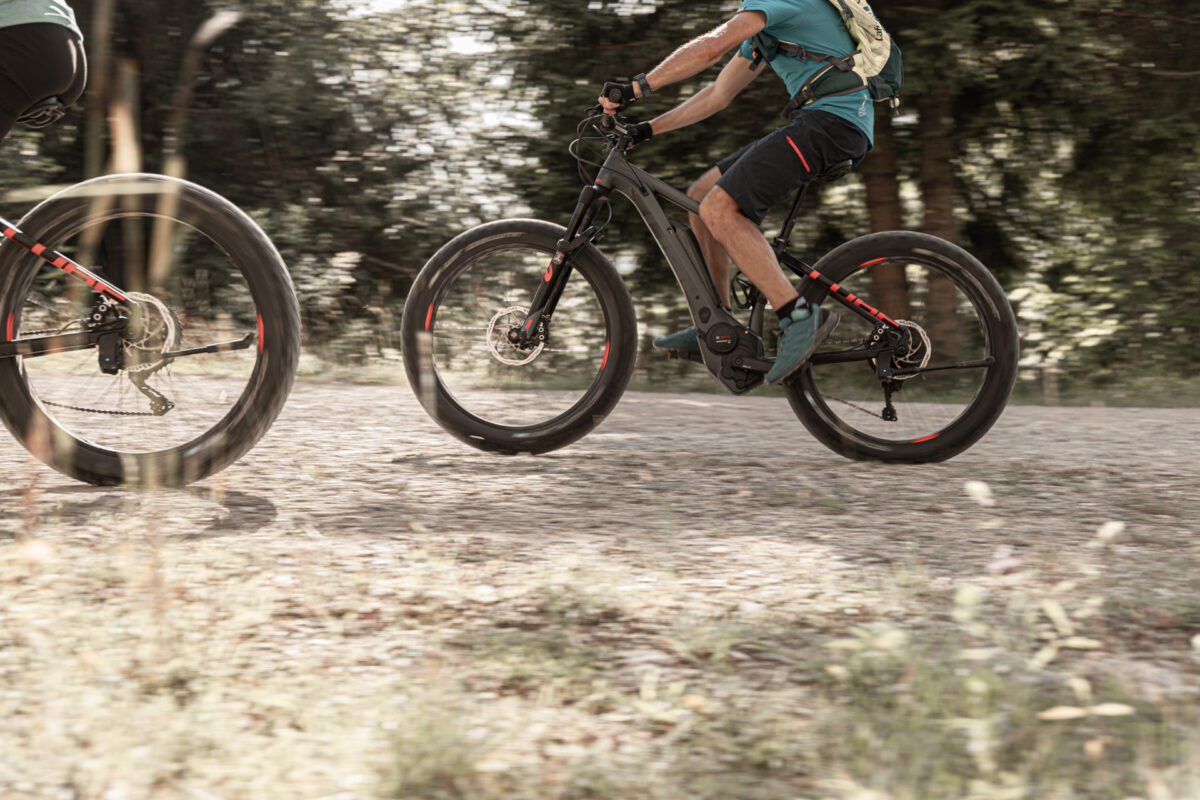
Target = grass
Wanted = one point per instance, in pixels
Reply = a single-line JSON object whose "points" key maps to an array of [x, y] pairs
{"points": [[283, 665]]}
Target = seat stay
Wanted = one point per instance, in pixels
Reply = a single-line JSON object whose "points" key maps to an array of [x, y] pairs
{"points": [[56, 259]]}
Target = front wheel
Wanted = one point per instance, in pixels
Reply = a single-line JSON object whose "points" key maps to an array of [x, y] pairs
{"points": [[459, 346], [206, 359], [953, 358]]}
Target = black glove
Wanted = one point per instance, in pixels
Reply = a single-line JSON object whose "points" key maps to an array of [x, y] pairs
{"points": [[639, 133], [618, 92]]}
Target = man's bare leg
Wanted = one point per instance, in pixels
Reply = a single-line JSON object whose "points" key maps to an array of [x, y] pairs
{"points": [[714, 252], [743, 241]]}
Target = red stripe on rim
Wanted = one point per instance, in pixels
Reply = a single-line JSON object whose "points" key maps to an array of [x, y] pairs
{"points": [[803, 161], [9, 328], [926, 438], [429, 317], [872, 263], [260, 333], [607, 345]]}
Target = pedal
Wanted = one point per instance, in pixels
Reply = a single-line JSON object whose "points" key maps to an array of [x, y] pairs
{"points": [[687, 355]]}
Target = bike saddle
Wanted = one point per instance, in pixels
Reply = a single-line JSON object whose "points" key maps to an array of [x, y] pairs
{"points": [[838, 170], [43, 113]]}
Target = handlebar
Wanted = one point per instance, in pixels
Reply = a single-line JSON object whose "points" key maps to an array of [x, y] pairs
{"points": [[616, 128]]}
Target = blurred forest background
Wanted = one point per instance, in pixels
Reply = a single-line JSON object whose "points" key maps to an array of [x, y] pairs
{"points": [[1057, 140]]}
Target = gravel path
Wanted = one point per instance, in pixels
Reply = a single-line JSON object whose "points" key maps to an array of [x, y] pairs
{"points": [[350, 458], [668, 475], [266, 632]]}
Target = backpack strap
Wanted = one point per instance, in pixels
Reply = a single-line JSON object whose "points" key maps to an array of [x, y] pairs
{"points": [[811, 91]]}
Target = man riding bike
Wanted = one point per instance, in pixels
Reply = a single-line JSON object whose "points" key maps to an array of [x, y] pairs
{"points": [[735, 195], [41, 57]]}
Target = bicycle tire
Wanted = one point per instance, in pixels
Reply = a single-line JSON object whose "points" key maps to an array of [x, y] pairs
{"points": [[208, 270], [973, 321], [503, 400]]}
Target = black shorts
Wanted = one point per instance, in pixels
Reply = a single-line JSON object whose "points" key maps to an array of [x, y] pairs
{"points": [[761, 174], [37, 61]]}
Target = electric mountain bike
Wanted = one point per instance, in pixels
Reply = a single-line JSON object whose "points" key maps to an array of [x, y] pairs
{"points": [[520, 337], [149, 331]]}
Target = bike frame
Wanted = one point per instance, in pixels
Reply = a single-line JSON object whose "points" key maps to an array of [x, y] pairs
{"points": [[62, 342], [109, 324], [721, 335]]}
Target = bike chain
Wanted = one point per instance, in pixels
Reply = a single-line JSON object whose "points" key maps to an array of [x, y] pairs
{"points": [[855, 406], [148, 366], [100, 410]]}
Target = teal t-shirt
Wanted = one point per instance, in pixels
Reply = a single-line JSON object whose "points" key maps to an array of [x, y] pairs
{"points": [[25, 12], [816, 25]]}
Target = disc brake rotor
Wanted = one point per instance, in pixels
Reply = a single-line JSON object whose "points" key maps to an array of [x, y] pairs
{"points": [[501, 348], [916, 349], [158, 331]]}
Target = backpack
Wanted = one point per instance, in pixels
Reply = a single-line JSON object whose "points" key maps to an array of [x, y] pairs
{"points": [[875, 64]]}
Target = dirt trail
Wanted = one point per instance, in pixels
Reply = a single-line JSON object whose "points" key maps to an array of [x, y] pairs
{"points": [[666, 469]]}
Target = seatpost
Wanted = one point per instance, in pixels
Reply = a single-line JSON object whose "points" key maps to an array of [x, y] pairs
{"points": [[785, 233]]}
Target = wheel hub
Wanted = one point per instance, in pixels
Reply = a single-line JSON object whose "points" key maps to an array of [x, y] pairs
{"points": [[503, 338], [153, 329], [910, 344]]}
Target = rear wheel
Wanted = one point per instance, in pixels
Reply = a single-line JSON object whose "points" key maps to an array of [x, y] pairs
{"points": [[461, 358], [954, 357], [199, 273]]}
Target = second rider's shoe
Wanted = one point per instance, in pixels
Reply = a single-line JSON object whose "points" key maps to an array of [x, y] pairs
{"points": [[800, 334], [681, 342]]}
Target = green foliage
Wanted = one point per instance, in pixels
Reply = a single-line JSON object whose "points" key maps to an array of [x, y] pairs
{"points": [[363, 140]]}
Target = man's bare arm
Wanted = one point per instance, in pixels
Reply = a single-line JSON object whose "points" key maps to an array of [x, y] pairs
{"points": [[700, 53], [734, 77]]}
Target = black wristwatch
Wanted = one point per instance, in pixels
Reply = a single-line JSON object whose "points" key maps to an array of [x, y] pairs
{"points": [[641, 81]]}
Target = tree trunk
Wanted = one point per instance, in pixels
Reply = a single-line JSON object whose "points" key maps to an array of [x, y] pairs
{"points": [[880, 171], [938, 183]]}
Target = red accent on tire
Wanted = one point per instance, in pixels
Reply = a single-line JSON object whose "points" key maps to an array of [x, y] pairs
{"points": [[872, 263], [9, 328], [260, 333], [429, 317], [607, 345], [925, 438]]}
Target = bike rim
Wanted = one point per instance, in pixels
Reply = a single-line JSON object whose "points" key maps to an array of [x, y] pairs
{"points": [[183, 279], [943, 321], [490, 379]]}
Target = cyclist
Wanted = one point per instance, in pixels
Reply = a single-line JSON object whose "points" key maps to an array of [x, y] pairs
{"points": [[41, 56], [735, 194]]}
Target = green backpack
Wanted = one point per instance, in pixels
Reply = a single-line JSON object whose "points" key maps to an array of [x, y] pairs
{"points": [[874, 65]]}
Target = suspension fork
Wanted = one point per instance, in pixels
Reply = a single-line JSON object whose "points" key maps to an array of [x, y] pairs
{"points": [[580, 232]]}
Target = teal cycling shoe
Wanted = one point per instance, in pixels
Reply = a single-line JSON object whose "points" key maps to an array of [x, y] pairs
{"points": [[799, 336], [686, 339]]}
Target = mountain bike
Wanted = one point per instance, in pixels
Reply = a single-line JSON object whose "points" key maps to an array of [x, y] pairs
{"points": [[149, 331], [519, 336]]}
